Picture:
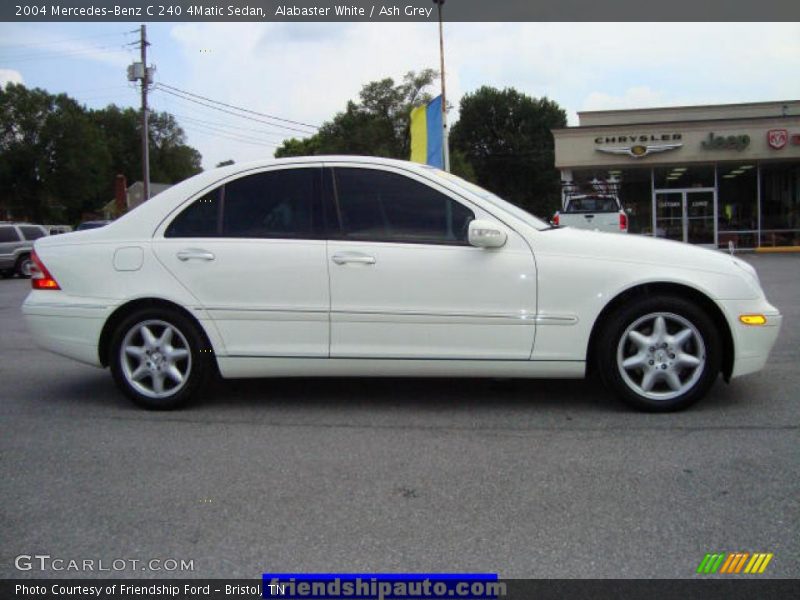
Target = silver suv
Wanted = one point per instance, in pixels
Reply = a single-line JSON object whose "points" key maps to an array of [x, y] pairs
{"points": [[16, 243]]}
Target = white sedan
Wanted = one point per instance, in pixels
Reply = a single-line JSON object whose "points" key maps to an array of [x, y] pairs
{"points": [[351, 266]]}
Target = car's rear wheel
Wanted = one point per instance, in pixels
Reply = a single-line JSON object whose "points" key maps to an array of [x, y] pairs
{"points": [[24, 265], [159, 358], [660, 353]]}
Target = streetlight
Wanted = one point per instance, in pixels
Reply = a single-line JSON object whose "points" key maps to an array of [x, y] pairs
{"points": [[446, 141]]}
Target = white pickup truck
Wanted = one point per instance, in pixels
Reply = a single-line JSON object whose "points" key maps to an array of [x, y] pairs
{"points": [[601, 212]]}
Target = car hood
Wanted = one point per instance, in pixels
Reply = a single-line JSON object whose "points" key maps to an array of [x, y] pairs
{"points": [[635, 249]]}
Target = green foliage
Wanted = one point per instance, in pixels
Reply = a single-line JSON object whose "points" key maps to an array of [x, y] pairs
{"points": [[459, 165], [377, 125], [505, 136], [59, 160]]}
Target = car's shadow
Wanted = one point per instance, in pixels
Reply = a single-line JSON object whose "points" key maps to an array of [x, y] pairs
{"points": [[402, 396], [407, 392]]}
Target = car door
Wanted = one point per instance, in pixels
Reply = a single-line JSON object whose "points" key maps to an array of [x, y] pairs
{"points": [[405, 283], [252, 252], [9, 242]]}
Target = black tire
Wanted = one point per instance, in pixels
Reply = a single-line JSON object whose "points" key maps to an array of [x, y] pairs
{"points": [[197, 368], [656, 367], [23, 266]]}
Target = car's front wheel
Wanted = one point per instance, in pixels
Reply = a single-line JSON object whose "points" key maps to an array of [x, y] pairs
{"points": [[660, 353], [158, 358]]}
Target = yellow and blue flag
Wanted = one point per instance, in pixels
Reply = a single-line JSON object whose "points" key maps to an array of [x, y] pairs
{"points": [[427, 134]]}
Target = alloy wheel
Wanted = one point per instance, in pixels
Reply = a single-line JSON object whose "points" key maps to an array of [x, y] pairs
{"points": [[661, 356]]}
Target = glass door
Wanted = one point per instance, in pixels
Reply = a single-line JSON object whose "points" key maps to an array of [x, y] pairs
{"points": [[685, 215], [699, 217], [669, 215]]}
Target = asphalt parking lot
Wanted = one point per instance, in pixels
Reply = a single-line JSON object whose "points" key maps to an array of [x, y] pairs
{"points": [[524, 478]]}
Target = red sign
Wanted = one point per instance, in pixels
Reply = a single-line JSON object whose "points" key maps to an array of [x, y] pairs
{"points": [[777, 138]]}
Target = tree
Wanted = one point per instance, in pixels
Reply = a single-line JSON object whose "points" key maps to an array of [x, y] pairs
{"points": [[171, 160], [52, 157], [225, 163], [59, 159], [505, 136], [377, 125]]}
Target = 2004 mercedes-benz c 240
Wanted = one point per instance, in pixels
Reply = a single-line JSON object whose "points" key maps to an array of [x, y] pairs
{"points": [[351, 266]]}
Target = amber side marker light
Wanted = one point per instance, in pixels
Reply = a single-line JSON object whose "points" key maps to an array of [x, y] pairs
{"points": [[753, 319], [40, 276]]}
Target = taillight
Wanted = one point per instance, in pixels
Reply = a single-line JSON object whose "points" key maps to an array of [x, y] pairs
{"points": [[623, 222], [40, 276], [555, 220]]}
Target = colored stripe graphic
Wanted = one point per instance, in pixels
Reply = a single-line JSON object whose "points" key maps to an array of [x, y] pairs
{"points": [[734, 563], [710, 563], [758, 563]]}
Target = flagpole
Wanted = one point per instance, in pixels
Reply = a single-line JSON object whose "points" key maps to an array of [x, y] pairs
{"points": [[445, 133]]}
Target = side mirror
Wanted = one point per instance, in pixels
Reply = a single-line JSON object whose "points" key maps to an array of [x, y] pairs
{"points": [[486, 234]]}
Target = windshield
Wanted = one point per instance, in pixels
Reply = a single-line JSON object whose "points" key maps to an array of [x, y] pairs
{"points": [[497, 201], [592, 204]]}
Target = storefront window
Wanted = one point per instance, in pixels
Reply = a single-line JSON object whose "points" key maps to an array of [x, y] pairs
{"points": [[780, 204], [685, 176], [737, 205]]}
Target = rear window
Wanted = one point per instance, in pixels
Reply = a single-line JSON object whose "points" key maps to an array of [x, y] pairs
{"points": [[8, 234], [592, 204], [31, 233]]}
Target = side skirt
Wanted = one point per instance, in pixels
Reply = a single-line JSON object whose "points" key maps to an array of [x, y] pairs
{"points": [[232, 367]]}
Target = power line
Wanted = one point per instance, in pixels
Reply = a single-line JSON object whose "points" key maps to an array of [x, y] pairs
{"points": [[239, 108], [183, 104], [224, 126], [230, 137], [160, 88], [231, 133]]}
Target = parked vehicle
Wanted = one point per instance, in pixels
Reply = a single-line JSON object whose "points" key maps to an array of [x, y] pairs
{"points": [[350, 266], [16, 243], [57, 229], [91, 225], [601, 212]]}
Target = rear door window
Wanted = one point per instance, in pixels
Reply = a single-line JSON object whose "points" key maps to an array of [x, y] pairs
{"points": [[30, 232], [275, 204]]}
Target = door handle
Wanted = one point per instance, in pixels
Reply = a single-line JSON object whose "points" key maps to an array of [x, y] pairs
{"points": [[353, 257], [193, 253]]}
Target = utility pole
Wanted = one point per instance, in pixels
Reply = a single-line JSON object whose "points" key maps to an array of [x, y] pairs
{"points": [[145, 141], [445, 133], [139, 71]]}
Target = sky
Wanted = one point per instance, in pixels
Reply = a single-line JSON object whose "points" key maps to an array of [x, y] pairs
{"points": [[306, 72]]}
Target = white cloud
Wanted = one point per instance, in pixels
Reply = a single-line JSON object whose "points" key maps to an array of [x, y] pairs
{"points": [[635, 97], [307, 72], [10, 76]]}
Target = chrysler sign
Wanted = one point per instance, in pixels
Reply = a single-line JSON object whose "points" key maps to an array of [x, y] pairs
{"points": [[639, 145]]}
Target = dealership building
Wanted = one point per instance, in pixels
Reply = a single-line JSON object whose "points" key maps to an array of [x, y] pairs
{"points": [[712, 175]]}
